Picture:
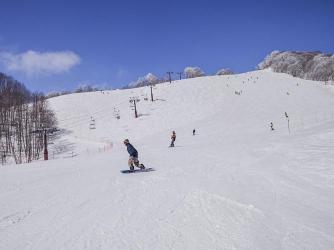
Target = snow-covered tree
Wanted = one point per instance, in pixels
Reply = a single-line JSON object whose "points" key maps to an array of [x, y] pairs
{"points": [[85, 88], [144, 81], [224, 72], [192, 72], [308, 65], [151, 79]]}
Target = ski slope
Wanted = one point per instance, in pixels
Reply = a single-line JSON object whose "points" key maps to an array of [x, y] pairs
{"points": [[234, 185]]}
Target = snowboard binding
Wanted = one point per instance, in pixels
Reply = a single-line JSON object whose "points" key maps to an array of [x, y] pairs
{"points": [[141, 166]]}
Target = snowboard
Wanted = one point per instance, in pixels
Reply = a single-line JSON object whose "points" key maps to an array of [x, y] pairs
{"points": [[128, 171]]}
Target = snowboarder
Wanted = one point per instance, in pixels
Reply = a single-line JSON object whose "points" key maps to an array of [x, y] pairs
{"points": [[173, 137], [194, 131], [133, 159]]}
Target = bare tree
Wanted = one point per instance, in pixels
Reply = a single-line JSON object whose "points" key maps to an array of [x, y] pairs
{"points": [[20, 114]]}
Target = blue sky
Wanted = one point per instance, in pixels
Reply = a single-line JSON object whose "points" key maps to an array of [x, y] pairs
{"points": [[57, 45]]}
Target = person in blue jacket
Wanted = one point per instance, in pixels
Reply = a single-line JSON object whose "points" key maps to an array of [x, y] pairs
{"points": [[133, 158]]}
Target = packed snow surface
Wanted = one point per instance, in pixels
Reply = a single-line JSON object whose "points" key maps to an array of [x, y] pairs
{"points": [[236, 184]]}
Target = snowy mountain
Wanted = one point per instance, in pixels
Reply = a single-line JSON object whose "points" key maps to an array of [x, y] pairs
{"points": [[236, 184], [308, 65]]}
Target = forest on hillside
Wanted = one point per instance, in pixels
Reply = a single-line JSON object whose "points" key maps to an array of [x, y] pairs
{"points": [[24, 118]]}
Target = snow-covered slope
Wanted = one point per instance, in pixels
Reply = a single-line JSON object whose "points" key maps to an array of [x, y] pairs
{"points": [[234, 185]]}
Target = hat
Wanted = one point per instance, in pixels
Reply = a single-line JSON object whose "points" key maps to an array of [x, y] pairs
{"points": [[126, 141]]}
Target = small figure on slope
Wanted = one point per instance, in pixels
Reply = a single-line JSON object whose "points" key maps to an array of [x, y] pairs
{"points": [[173, 137], [194, 131], [272, 126], [133, 159]]}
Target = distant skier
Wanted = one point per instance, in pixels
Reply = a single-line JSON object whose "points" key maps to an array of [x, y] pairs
{"points": [[133, 159], [173, 137], [194, 131], [272, 126]]}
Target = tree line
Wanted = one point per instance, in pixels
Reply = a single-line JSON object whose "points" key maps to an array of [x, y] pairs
{"points": [[80, 89], [23, 115], [315, 66], [188, 72]]}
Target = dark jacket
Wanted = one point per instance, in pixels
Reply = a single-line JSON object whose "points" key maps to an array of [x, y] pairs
{"points": [[131, 150]]}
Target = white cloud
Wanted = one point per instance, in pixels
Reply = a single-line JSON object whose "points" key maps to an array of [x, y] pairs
{"points": [[34, 62]]}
